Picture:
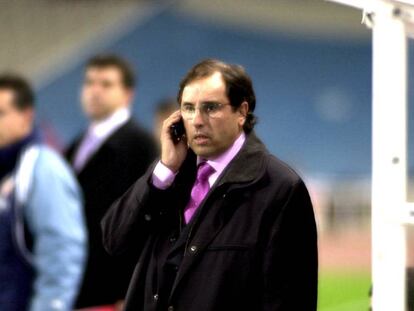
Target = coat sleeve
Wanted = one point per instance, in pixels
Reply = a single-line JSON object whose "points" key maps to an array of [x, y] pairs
{"points": [[54, 217], [135, 215], [290, 261]]}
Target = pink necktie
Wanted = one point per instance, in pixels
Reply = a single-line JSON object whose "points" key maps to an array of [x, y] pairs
{"points": [[199, 191]]}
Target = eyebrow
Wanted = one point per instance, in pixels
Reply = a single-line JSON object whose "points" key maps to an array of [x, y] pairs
{"points": [[204, 102], [187, 104]]}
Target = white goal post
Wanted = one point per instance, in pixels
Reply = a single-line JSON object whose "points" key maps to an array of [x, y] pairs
{"points": [[392, 23]]}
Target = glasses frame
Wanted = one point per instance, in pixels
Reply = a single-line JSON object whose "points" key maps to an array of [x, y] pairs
{"points": [[202, 110]]}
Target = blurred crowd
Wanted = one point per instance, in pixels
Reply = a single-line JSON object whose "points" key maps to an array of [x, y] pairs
{"points": [[51, 204]]}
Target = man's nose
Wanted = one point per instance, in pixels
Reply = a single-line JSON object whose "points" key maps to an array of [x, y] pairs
{"points": [[198, 119]]}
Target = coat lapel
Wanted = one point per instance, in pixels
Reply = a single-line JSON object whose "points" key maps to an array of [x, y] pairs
{"points": [[104, 148]]}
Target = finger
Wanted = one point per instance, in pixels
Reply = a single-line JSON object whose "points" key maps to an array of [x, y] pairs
{"points": [[175, 115], [173, 118]]}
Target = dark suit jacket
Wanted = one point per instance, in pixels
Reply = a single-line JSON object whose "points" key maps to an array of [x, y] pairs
{"points": [[252, 244], [122, 158]]}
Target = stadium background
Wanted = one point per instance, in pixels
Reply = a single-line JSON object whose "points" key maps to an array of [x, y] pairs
{"points": [[311, 66]]}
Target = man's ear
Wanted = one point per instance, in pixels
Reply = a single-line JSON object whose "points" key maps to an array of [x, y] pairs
{"points": [[29, 114], [130, 96], [243, 109]]}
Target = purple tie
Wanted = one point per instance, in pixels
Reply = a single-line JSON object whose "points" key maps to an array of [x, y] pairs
{"points": [[199, 191], [88, 145]]}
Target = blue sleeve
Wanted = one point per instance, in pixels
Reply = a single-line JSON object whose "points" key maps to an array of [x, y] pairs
{"points": [[55, 218]]}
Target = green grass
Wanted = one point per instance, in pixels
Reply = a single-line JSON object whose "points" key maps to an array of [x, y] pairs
{"points": [[344, 290]]}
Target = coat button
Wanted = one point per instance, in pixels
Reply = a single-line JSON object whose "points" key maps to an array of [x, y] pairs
{"points": [[193, 249], [147, 217], [173, 239], [156, 297], [224, 196], [170, 308]]}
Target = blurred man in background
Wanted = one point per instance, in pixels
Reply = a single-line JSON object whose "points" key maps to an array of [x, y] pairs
{"points": [[42, 233], [108, 158], [222, 223]]}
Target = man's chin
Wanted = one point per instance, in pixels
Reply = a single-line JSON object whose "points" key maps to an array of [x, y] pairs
{"points": [[205, 151], [97, 115], [202, 150]]}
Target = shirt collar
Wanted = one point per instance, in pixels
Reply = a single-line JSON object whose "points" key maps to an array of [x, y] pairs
{"points": [[220, 162], [103, 128]]}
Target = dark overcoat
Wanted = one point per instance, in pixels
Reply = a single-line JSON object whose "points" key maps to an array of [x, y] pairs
{"points": [[251, 245]]}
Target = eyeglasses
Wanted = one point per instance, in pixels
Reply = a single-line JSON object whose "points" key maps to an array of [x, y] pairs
{"points": [[211, 109]]}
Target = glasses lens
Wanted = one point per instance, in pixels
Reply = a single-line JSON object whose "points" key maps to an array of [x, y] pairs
{"points": [[213, 110], [187, 111]]}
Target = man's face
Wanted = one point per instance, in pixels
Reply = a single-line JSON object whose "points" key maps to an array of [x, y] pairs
{"points": [[209, 137], [103, 92], [15, 123]]}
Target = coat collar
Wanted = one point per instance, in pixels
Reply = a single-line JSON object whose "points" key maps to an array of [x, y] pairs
{"points": [[246, 166]]}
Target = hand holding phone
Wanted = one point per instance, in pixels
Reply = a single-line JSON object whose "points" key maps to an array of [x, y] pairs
{"points": [[173, 142], [177, 131]]}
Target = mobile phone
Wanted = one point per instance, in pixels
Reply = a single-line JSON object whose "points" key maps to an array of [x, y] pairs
{"points": [[177, 131]]}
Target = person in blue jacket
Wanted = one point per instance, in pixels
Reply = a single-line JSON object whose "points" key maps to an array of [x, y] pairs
{"points": [[42, 232]]}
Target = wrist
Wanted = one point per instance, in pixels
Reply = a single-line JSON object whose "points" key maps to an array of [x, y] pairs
{"points": [[173, 168]]}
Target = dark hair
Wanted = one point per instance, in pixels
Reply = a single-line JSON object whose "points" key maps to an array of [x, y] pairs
{"points": [[239, 86], [111, 60], [23, 93]]}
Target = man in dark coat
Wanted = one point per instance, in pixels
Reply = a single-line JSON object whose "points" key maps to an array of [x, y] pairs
{"points": [[221, 223], [107, 158]]}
